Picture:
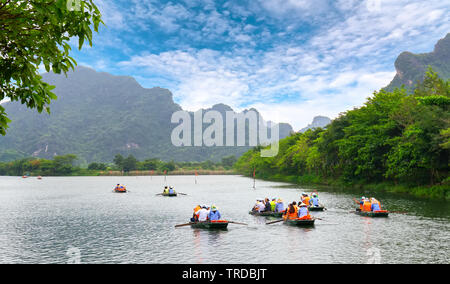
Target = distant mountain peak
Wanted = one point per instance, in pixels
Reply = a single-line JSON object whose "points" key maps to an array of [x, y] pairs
{"points": [[411, 67], [318, 122]]}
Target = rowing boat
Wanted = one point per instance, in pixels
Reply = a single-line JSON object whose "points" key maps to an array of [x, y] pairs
{"points": [[313, 208], [211, 225], [382, 213], [170, 194], [299, 222], [120, 191], [266, 214]]}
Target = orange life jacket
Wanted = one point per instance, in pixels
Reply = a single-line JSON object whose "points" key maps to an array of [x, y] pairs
{"points": [[367, 206], [306, 200], [196, 209]]}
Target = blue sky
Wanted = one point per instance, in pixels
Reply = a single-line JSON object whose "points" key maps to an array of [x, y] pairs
{"points": [[290, 59]]}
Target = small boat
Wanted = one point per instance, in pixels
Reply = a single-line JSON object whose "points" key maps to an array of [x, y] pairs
{"points": [[170, 194], [120, 190], [313, 208], [381, 213], [211, 225], [300, 222], [39, 177], [266, 214]]}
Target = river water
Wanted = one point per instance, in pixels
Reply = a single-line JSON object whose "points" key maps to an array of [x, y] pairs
{"points": [[60, 220]]}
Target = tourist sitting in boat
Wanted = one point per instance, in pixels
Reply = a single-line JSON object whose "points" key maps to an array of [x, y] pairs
{"points": [[214, 214], [303, 212], [291, 212], [259, 206], [279, 207], [267, 206], [273, 204], [305, 198], [367, 205], [202, 214], [166, 190], [314, 200], [171, 190], [195, 216], [376, 206]]}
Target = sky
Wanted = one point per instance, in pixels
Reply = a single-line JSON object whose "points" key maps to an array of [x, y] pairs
{"points": [[290, 59]]}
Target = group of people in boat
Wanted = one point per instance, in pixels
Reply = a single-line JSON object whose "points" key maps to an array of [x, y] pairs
{"points": [[205, 213], [169, 190], [120, 188], [267, 205], [369, 204]]}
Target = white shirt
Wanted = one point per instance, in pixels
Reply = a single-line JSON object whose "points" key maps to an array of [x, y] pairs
{"points": [[261, 206], [203, 215]]}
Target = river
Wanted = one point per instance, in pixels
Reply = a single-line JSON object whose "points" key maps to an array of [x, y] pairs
{"points": [[59, 219]]}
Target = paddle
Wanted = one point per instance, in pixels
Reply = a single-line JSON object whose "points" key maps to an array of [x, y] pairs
{"points": [[273, 222], [237, 223], [182, 193], [183, 225]]}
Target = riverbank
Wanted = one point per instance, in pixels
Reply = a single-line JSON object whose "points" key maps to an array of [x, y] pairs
{"points": [[438, 192], [180, 172]]}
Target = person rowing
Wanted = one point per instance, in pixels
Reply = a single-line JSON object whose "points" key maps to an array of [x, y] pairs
{"points": [[273, 204], [171, 190], [376, 205], [166, 190], [267, 206]]}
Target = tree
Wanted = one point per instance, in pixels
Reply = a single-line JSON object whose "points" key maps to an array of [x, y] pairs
{"points": [[34, 33], [229, 161], [119, 161], [130, 164]]}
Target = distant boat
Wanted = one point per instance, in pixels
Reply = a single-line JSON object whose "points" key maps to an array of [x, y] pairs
{"points": [[39, 177], [24, 176]]}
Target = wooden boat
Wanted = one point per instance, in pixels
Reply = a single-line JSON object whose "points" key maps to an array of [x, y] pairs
{"points": [[170, 194], [312, 208], [266, 214], [211, 225], [300, 223], [381, 213], [120, 191]]}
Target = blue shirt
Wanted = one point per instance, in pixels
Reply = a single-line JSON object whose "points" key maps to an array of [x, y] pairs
{"points": [[376, 207], [214, 215], [279, 207], [302, 211], [315, 201], [171, 191]]}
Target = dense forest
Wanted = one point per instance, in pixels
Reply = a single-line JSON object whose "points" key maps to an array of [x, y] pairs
{"points": [[66, 165], [397, 140]]}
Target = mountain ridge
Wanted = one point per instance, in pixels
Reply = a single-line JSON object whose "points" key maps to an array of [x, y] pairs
{"points": [[98, 115]]}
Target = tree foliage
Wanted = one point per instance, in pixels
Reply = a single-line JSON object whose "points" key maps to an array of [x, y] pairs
{"points": [[35, 33], [394, 137]]}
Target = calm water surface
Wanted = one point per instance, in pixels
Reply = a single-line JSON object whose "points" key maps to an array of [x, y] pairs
{"points": [[43, 219]]}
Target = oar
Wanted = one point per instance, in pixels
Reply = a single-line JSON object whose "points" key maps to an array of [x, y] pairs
{"points": [[273, 222], [183, 225], [237, 223], [159, 194], [182, 193]]}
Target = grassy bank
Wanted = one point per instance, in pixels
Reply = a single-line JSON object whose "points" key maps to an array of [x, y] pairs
{"points": [[441, 192]]}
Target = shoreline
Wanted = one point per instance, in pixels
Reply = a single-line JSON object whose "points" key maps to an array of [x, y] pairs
{"points": [[436, 192]]}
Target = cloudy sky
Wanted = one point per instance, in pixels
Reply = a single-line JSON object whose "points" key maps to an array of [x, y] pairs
{"points": [[290, 59]]}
